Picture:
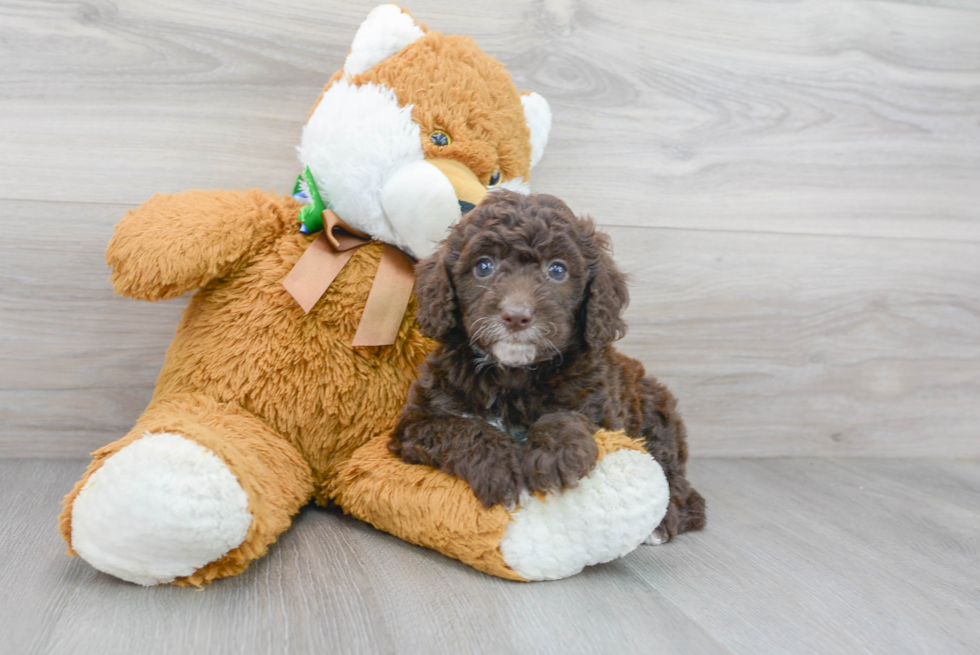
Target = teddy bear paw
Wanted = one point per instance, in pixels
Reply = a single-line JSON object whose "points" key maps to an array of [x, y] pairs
{"points": [[159, 509], [611, 511]]}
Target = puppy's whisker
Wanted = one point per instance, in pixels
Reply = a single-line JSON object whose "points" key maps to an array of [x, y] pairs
{"points": [[488, 329], [561, 356], [481, 332]]}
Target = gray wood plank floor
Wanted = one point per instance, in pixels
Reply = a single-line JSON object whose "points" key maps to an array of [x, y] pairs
{"points": [[802, 555]]}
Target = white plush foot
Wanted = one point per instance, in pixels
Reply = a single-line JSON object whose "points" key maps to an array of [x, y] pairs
{"points": [[159, 509], [609, 514]]}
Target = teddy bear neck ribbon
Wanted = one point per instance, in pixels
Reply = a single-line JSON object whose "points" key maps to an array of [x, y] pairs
{"points": [[326, 256]]}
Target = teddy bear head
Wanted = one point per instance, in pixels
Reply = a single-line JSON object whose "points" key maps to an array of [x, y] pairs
{"points": [[416, 129]]}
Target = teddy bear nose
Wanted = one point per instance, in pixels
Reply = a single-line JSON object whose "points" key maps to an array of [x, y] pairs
{"points": [[516, 316]]}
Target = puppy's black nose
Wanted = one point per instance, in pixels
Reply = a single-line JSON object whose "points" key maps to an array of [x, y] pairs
{"points": [[516, 316]]}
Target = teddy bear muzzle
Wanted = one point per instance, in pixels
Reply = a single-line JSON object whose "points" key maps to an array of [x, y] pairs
{"points": [[433, 192]]}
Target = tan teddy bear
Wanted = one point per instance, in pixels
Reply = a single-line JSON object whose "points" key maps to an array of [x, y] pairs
{"points": [[262, 406]]}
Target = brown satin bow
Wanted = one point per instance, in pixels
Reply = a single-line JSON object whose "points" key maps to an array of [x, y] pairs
{"points": [[323, 260]]}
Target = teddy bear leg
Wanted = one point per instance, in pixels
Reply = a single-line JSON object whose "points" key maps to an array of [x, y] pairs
{"points": [[195, 491], [611, 511]]}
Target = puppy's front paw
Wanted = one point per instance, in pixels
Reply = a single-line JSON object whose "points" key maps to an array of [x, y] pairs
{"points": [[493, 471], [497, 484], [560, 451], [667, 529], [657, 537]]}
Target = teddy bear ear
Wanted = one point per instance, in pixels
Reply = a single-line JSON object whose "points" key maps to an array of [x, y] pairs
{"points": [[385, 31], [537, 113]]}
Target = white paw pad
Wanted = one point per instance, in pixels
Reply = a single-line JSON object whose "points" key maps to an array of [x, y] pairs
{"points": [[609, 514], [159, 509], [655, 538]]}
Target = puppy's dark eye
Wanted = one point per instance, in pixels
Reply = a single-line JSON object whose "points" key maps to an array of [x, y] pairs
{"points": [[494, 179], [440, 138], [557, 271], [484, 267]]}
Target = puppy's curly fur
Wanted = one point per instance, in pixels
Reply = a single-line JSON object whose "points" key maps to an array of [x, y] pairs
{"points": [[526, 302]]}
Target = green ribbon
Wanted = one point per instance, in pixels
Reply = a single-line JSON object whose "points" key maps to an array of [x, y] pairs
{"points": [[311, 216]]}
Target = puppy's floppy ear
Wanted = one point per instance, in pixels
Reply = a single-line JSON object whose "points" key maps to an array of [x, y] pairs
{"points": [[436, 308], [605, 298]]}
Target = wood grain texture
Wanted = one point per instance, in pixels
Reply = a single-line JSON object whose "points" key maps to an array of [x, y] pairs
{"points": [[794, 187], [849, 557], [801, 555], [791, 344], [841, 117], [775, 344]]}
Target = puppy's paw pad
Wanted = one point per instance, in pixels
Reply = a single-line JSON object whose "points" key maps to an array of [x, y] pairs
{"points": [[655, 538]]}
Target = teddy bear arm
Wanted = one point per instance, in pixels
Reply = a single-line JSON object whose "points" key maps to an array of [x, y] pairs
{"points": [[175, 243], [608, 514]]}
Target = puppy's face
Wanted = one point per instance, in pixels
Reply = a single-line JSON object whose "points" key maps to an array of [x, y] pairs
{"points": [[523, 280], [519, 285]]}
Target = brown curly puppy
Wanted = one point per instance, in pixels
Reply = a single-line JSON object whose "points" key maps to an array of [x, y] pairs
{"points": [[525, 301]]}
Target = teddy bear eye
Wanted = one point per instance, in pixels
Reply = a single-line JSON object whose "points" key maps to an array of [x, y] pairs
{"points": [[557, 271], [440, 138], [484, 267], [494, 178]]}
